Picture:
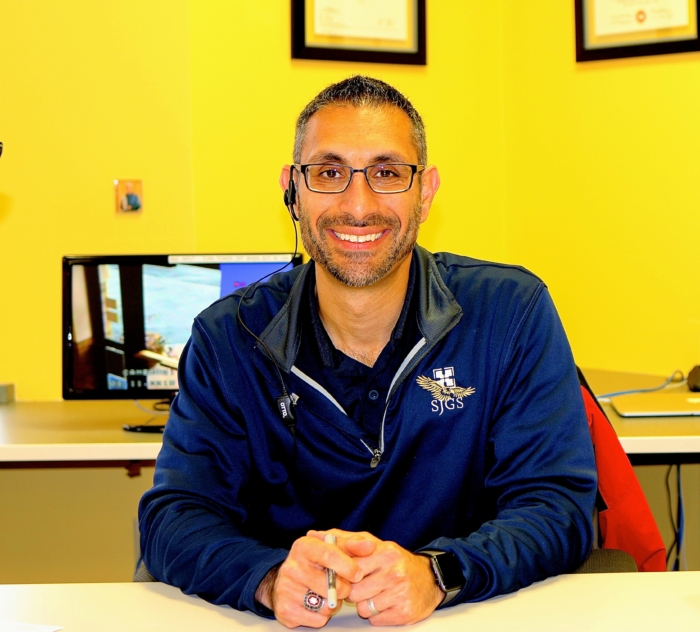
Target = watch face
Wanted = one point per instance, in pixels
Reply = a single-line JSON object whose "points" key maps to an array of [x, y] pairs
{"points": [[450, 570]]}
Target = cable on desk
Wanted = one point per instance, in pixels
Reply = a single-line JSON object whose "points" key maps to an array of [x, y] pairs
{"points": [[672, 378], [677, 523], [161, 407]]}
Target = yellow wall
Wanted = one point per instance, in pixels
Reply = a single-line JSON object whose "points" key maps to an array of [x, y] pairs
{"points": [[583, 172], [603, 193], [89, 92], [247, 92]]}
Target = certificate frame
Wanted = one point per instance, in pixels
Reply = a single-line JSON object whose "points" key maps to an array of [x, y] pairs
{"points": [[307, 44], [662, 41]]}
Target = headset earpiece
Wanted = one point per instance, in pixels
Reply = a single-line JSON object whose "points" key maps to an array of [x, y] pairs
{"points": [[290, 196]]}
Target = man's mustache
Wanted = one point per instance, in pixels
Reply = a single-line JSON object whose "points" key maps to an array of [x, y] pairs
{"points": [[345, 219]]}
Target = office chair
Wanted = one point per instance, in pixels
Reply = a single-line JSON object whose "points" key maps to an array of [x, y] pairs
{"points": [[142, 574], [607, 561], [627, 531]]}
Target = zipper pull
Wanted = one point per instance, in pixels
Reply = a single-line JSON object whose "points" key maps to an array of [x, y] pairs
{"points": [[376, 457]]}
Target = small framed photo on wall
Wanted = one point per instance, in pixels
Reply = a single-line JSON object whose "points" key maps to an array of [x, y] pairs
{"points": [[128, 196]]}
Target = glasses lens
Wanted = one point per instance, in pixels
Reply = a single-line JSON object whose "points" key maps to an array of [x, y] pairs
{"points": [[384, 178], [333, 178], [327, 178]]}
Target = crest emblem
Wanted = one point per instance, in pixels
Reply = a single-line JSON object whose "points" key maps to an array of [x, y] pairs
{"points": [[444, 387]]}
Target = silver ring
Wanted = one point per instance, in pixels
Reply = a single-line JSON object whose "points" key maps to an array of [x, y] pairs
{"points": [[313, 601], [372, 608]]}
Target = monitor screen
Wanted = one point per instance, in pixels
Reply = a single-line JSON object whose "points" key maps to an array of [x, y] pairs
{"points": [[126, 318]]}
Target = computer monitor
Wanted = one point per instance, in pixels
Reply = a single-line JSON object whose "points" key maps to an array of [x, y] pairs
{"points": [[126, 318]]}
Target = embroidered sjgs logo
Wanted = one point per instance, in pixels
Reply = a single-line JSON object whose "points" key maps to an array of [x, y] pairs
{"points": [[443, 387]]}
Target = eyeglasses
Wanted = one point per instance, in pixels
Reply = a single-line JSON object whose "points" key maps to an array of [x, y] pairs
{"points": [[383, 178]]}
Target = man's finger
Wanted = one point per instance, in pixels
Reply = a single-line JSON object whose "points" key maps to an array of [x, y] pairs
{"points": [[292, 616], [343, 536], [360, 547], [369, 586], [325, 555], [296, 605], [371, 607]]}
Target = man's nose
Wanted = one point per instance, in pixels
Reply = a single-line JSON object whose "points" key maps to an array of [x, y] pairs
{"points": [[358, 198]]}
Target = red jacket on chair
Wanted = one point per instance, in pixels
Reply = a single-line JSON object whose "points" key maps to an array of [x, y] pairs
{"points": [[626, 523]]}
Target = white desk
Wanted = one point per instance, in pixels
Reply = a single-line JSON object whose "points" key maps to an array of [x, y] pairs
{"points": [[597, 603], [73, 431], [91, 431], [646, 439]]}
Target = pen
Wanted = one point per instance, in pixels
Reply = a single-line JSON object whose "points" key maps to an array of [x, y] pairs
{"points": [[330, 576]]}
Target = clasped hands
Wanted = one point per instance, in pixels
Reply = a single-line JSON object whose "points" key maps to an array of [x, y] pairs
{"points": [[390, 585]]}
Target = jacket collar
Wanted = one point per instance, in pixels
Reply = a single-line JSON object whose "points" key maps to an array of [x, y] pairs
{"points": [[438, 311]]}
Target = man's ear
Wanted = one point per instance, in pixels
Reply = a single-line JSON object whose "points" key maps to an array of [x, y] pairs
{"points": [[290, 192], [284, 177], [430, 183]]}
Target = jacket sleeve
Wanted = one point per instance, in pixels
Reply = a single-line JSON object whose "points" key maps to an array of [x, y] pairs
{"points": [[190, 521], [540, 468]]}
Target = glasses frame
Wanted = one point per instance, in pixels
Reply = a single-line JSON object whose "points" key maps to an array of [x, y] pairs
{"points": [[303, 170]]}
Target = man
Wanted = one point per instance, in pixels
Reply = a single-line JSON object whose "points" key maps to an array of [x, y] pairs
{"points": [[436, 424]]}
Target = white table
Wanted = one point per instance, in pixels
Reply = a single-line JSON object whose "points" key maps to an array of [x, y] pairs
{"points": [[91, 431], [75, 431], [599, 603], [648, 439]]}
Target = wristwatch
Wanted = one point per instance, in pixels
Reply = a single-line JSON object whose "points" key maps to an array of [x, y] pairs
{"points": [[448, 572]]}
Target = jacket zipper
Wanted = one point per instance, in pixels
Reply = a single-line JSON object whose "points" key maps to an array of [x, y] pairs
{"points": [[377, 452]]}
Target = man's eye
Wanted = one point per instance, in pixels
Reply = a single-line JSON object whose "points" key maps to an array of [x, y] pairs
{"points": [[330, 173], [384, 173]]}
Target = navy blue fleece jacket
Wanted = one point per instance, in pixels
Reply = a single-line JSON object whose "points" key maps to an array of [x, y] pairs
{"points": [[483, 448]]}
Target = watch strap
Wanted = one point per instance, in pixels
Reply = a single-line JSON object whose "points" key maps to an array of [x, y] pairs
{"points": [[447, 571]]}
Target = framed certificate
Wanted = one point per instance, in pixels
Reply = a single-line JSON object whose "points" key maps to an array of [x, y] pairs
{"points": [[387, 32], [608, 29]]}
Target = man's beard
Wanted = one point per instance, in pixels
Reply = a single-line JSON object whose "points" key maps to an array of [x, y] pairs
{"points": [[358, 269]]}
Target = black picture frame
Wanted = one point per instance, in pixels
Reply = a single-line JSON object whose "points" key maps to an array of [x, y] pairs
{"points": [[584, 54], [301, 50]]}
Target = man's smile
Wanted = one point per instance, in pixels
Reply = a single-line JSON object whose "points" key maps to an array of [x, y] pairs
{"points": [[358, 239]]}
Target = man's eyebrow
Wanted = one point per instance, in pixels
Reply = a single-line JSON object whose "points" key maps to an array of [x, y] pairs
{"points": [[327, 157], [338, 159], [388, 158]]}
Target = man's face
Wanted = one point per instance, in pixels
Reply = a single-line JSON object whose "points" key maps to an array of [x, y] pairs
{"points": [[359, 236]]}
